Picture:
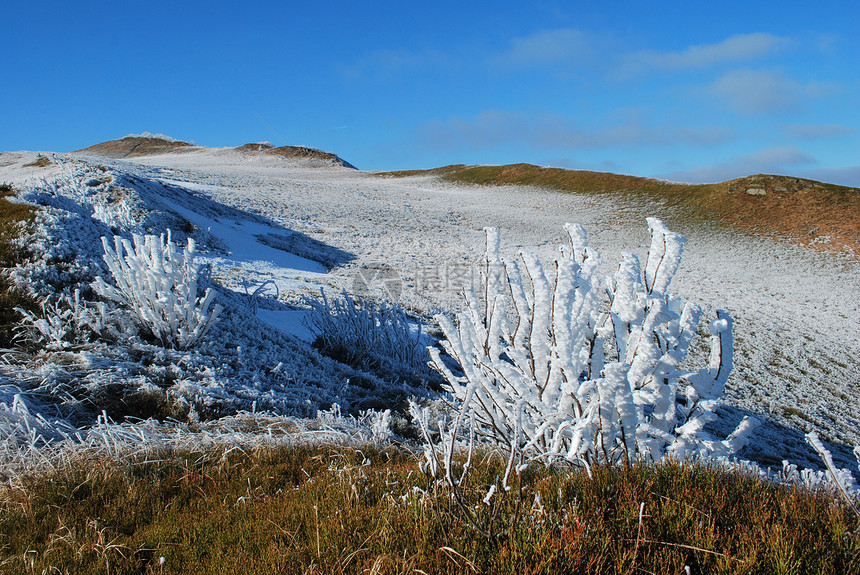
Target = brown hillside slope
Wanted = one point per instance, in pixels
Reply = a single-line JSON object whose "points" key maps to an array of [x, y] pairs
{"points": [[297, 152], [806, 212], [136, 146]]}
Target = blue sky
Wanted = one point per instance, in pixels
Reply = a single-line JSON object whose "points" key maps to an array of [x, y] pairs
{"points": [[690, 91]]}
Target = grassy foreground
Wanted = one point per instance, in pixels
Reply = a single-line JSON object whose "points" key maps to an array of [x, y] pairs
{"points": [[330, 509]]}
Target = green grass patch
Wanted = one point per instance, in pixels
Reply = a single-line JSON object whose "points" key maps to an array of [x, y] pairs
{"points": [[346, 510], [13, 218]]}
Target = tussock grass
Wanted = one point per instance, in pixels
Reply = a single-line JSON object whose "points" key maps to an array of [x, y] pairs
{"points": [[40, 162], [12, 219], [328, 509]]}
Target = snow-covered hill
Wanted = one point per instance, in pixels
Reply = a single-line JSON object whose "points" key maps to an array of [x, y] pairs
{"points": [[295, 227]]}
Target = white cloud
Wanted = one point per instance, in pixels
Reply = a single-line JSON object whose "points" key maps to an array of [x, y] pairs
{"points": [[740, 48], [775, 160], [495, 128], [817, 131], [827, 43], [386, 64], [562, 47], [762, 91]]}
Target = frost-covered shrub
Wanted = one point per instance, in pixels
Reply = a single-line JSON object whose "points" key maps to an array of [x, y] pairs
{"points": [[64, 323], [371, 425], [258, 293], [553, 368], [159, 283], [359, 332]]}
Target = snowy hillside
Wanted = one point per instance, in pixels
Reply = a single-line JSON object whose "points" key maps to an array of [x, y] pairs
{"points": [[276, 229]]}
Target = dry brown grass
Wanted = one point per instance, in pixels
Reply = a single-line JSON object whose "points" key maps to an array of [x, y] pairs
{"points": [[40, 162], [804, 211], [345, 510], [260, 147]]}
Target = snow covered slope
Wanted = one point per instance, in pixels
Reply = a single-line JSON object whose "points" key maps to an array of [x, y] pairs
{"points": [[261, 217]]}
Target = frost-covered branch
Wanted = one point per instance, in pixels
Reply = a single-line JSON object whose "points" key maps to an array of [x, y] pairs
{"points": [[841, 479]]}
